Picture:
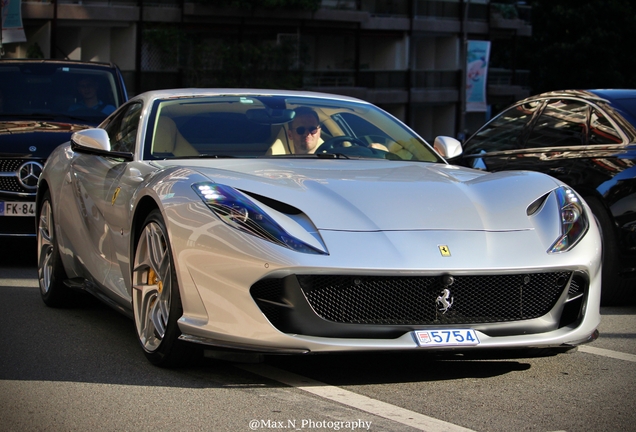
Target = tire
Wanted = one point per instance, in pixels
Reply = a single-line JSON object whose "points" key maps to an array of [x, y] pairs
{"points": [[155, 297], [51, 274], [615, 289]]}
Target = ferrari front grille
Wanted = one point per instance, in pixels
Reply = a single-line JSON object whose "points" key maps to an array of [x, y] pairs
{"points": [[421, 300], [431, 300]]}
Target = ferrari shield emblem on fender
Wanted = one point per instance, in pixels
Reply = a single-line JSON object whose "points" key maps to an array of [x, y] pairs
{"points": [[444, 250], [112, 202]]}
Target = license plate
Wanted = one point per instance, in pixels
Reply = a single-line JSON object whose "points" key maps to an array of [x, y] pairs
{"points": [[451, 337], [15, 208]]}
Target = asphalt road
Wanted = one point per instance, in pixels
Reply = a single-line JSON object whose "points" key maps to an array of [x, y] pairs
{"points": [[80, 369]]}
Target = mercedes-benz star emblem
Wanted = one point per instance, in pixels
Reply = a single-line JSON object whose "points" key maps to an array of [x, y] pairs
{"points": [[29, 173]]}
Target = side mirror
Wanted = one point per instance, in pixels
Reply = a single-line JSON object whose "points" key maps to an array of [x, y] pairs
{"points": [[96, 142], [93, 139], [447, 147]]}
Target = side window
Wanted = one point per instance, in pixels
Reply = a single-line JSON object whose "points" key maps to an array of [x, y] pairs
{"points": [[601, 130], [504, 132], [359, 126], [563, 122], [122, 130]]}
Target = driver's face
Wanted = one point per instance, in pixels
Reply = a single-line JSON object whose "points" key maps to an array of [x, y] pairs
{"points": [[307, 141], [87, 88]]}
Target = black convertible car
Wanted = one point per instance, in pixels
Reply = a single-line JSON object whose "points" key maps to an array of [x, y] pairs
{"points": [[587, 139]]}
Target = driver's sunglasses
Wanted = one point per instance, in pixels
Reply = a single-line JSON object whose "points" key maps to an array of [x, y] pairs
{"points": [[311, 130]]}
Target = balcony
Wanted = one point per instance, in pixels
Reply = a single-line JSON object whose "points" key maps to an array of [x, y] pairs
{"points": [[383, 79], [511, 17], [508, 85]]}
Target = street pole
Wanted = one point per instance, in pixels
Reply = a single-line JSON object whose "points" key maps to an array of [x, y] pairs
{"points": [[1, 27], [464, 61]]}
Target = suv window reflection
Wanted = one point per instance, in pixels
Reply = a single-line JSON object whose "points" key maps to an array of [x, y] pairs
{"points": [[505, 132]]}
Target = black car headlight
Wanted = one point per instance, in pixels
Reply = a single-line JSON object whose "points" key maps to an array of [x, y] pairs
{"points": [[237, 211], [574, 220]]}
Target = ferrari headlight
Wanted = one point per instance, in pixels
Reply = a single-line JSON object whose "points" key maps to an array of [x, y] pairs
{"points": [[237, 211], [574, 221]]}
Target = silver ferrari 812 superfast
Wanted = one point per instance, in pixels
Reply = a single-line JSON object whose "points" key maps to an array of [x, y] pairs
{"points": [[298, 222]]}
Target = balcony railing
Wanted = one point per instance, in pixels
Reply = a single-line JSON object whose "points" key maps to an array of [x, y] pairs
{"points": [[508, 77], [436, 79], [330, 78], [382, 79], [446, 9], [147, 3], [438, 9]]}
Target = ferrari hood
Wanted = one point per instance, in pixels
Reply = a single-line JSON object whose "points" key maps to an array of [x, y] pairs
{"points": [[383, 195]]}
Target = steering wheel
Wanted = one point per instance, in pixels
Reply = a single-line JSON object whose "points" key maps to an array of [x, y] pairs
{"points": [[337, 142]]}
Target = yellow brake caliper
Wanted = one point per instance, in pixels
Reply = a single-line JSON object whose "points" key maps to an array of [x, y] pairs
{"points": [[153, 279]]}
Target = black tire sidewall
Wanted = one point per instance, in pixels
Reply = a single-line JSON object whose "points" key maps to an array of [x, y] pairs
{"points": [[613, 288], [58, 294]]}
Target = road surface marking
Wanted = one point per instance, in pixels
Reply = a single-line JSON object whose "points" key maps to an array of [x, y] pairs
{"points": [[608, 353], [354, 400]]}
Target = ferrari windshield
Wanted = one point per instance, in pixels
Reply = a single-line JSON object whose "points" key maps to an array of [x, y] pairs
{"points": [[278, 126]]}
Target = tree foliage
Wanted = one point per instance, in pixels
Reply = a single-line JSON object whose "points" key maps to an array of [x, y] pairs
{"points": [[224, 62], [243, 64], [582, 44]]}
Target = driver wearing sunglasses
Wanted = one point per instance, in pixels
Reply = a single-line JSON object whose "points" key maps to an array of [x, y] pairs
{"points": [[304, 131]]}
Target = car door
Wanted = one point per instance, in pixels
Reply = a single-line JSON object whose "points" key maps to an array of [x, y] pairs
{"points": [[491, 147], [96, 180], [559, 130], [125, 180], [560, 142]]}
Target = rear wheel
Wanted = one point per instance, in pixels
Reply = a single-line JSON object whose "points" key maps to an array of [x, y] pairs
{"points": [[156, 299], [615, 289], [51, 274]]}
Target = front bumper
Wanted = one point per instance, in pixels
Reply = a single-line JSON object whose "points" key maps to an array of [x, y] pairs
{"points": [[220, 309]]}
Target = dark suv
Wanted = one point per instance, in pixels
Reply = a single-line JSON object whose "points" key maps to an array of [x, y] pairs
{"points": [[42, 102], [587, 139]]}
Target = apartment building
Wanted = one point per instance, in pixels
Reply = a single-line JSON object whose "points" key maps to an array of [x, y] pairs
{"points": [[403, 55]]}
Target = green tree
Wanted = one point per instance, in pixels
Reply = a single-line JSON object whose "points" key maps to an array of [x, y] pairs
{"points": [[582, 44], [243, 64]]}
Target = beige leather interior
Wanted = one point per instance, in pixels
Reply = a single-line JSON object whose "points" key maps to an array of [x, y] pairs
{"points": [[280, 145], [168, 139]]}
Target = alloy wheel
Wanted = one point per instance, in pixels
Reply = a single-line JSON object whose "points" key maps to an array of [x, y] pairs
{"points": [[45, 247], [152, 286]]}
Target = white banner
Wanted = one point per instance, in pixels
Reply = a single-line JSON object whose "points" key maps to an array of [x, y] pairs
{"points": [[478, 56], [12, 30]]}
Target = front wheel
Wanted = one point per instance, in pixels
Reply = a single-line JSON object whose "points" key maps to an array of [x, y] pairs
{"points": [[155, 296], [615, 289], [51, 274]]}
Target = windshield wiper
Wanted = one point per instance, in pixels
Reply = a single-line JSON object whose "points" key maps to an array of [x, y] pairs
{"points": [[204, 156], [309, 156], [331, 156]]}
